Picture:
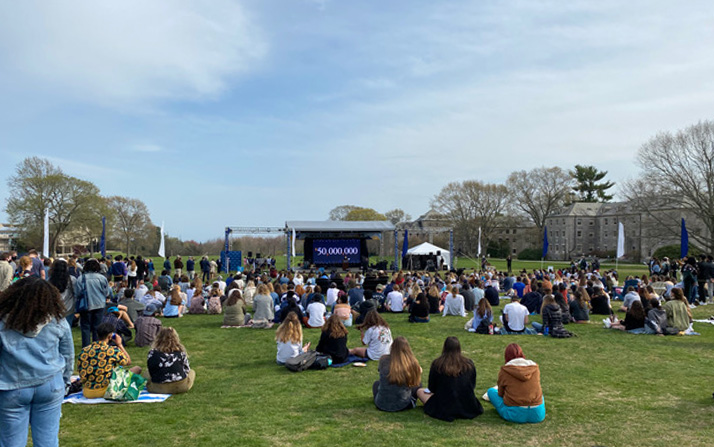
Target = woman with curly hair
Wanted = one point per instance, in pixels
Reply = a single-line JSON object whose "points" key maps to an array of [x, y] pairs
{"points": [[168, 365], [36, 362]]}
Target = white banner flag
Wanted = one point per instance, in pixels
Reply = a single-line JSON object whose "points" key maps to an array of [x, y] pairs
{"points": [[479, 241], [293, 244], [46, 240], [162, 248], [620, 240]]}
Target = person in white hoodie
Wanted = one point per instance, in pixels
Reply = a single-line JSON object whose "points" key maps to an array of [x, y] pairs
{"points": [[518, 397], [454, 303]]}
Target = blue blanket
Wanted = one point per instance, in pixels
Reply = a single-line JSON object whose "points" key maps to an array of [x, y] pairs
{"points": [[351, 359], [144, 397]]}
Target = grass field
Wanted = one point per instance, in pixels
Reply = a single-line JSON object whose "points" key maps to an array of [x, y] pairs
{"points": [[601, 388]]}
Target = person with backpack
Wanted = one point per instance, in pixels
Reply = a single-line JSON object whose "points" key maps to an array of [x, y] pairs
{"points": [[333, 339], [483, 318]]}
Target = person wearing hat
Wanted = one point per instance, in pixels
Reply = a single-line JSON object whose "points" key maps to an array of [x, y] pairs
{"points": [[147, 326]]}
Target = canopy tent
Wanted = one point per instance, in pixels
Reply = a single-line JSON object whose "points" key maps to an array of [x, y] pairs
{"points": [[426, 248]]}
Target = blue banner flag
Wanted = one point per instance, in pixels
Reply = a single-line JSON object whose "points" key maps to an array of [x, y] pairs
{"points": [[684, 245], [405, 246], [545, 241], [103, 240]]}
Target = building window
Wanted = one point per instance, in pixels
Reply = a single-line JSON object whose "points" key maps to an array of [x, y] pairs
{"points": [[580, 222], [606, 234], [605, 221], [580, 233], [514, 251], [506, 231], [591, 235], [562, 221], [591, 249], [592, 222], [514, 231]]}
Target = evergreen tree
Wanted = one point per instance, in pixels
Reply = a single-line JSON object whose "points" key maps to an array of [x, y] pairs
{"points": [[588, 185]]}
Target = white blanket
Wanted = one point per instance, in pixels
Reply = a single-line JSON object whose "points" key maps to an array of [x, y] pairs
{"points": [[144, 398]]}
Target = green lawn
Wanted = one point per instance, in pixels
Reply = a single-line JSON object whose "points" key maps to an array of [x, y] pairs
{"points": [[601, 388]]}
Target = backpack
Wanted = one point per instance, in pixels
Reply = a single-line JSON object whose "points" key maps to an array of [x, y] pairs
{"points": [[302, 361], [560, 332]]}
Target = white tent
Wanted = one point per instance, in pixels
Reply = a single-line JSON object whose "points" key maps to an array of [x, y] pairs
{"points": [[426, 248]]}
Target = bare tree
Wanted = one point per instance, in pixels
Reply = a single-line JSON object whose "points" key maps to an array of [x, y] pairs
{"points": [[677, 180], [341, 212], [539, 192], [469, 205], [131, 218], [397, 215], [38, 185]]}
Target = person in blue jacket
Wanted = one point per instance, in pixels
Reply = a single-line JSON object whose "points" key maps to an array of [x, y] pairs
{"points": [[36, 361]]}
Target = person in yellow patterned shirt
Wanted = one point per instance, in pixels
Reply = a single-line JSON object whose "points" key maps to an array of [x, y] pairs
{"points": [[97, 361]]}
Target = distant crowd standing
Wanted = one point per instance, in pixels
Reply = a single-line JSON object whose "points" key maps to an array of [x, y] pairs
{"points": [[115, 301]]}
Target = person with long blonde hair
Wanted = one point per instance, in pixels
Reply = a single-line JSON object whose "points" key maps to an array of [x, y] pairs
{"points": [[289, 339], [168, 364], [333, 339], [399, 378], [175, 303]]}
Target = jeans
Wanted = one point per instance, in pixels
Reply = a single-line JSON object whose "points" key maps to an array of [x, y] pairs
{"points": [[519, 415], [88, 322], [39, 407], [537, 326]]}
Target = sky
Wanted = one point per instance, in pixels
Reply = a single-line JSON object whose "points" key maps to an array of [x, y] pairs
{"points": [[251, 113]]}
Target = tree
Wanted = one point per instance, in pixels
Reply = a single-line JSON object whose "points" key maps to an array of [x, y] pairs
{"points": [[340, 212], [539, 192], [587, 187], [677, 180], [38, 185], [469, 205], [397, 215], [131, 218], [364, 214]]}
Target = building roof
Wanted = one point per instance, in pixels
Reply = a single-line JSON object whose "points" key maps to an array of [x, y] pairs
{"points": [[339, 225]]}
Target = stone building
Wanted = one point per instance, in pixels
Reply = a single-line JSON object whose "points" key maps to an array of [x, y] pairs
{"points": [[7, 235], [592, 229]]}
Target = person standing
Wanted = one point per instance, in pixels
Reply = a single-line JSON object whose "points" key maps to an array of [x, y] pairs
{"points": [[119, 270], [509, 262], [36, 362], [178, 266], [140, 269], [95, 287], [167, 265], [205, 269], [6, 271], [191, 268], [38, 267]]}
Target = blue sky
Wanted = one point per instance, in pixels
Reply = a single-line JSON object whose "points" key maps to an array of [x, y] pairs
{"points": [[251, 113]]}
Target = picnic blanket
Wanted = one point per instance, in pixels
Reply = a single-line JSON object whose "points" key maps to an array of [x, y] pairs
{"points": [[351, 359], [144, 398]]}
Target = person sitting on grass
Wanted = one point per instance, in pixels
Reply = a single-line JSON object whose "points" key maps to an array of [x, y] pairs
{"points": [[290, 306], [679, 315], [316, 313], [147, 326], [395, 300], [289, 339], [483, 318], [634, 321], [263, 308], [234, 311], [656, 322], [168, 366], [452, 380], [343, 309], [333, 339], [533, 300], [434, 298], [376, 335], [518, 397], [552, 317], [630, 297], [174, 307], [120, 321], [515, 318], [399, 378], [214, 301], [600, 302], [454, 303], [96, 361], [419, 310], [580, 307]]}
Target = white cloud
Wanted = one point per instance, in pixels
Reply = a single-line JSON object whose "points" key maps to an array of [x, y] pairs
{"points": [[128, 51]]}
